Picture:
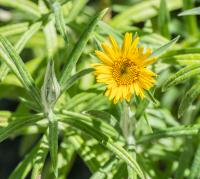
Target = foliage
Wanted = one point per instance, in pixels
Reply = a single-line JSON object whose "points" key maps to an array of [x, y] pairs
{"points": [[46, 49]]}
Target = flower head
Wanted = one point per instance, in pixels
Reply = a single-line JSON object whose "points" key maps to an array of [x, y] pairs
{"points": [[124, 70]]}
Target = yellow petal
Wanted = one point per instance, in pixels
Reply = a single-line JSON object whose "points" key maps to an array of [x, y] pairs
{"points": [[107, 93], [136, 88], [126, 44], [103, 57], [133, 47], [150, 61], [114, 44], [147, 53], [113, 93], [109, 51], [141, 93]]}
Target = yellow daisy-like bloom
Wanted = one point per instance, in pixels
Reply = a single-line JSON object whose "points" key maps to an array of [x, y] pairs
{"points": [[124, 69]]}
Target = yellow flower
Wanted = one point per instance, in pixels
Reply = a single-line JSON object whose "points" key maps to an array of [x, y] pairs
{"points": [[124, 69]]}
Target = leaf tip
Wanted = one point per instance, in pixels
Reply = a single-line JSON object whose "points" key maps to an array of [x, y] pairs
{"points": [[103, 12]]}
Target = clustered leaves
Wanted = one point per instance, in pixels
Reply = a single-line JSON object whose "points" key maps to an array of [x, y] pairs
{"points": [[46, 48]]}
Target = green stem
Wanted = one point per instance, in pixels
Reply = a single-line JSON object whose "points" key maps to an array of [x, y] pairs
{"points": [[128, 125], [53, 140]]}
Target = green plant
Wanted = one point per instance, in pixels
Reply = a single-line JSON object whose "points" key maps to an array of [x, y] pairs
{"points": [[48, 71]]}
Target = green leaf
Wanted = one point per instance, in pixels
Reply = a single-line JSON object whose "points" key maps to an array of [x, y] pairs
{"points": [[182, 59], [194, 11], [88, 152], [151, 97], [181, 51], [188, 98], [106, 170], [4, 69], [164, 48], [14, 29], [184, 159], [182, 75], [163, 19], [141, 108], [18, 123], [191, 24], [194, 172], [66, 157], [121, 171], [91, 121], [23, 168], [77, 6], [13, 60], [78, 99], [27, 35], [70, 82], [141, 11], [79, 47], [23, 5], [184, 130], [117, 149], [39, 158], [59, 20], [51, 38], [106, 117]]}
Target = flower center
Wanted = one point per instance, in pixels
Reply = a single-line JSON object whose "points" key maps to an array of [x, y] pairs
{"points": [[125, 72]]}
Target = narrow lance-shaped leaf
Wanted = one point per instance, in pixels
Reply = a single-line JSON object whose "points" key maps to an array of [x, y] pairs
{"points": [[4, 69], [107, 142], [23, 5], [40, 157], [163, 19], [20, 123], [184, 159], [51, 38], [13, 60], [66, 157], [90, 120], [76, 77], [106, 169], [79, 47], [171, 132], [87, 153], [188, 98], [14, 29], [24, 167], [194, 172], [164, 48], [141, 11], [194, 11], [151, 97], [190, 22], [27, 35], [59, 20], [182, 75], [77, 6]]}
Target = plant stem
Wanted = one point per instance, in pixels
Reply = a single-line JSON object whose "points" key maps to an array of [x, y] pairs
{"points": [[128, 125]]}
